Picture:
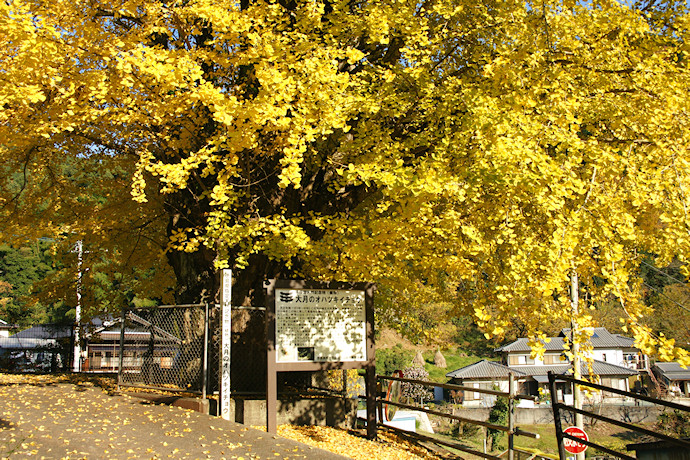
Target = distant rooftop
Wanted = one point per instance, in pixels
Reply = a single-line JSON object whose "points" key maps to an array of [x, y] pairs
{"points": [[601, 338], [600, 368], [46, 331], [489, 369], [483, 370], [673, 371]]}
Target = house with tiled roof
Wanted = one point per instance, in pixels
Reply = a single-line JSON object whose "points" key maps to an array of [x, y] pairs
{"points": [[487, 375], [614, 349], [615, 361], [674, 378], [102, 344], [40, 348]]}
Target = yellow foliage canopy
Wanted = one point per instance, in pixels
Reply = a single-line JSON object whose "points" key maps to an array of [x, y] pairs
{"points": [[478, 153]]}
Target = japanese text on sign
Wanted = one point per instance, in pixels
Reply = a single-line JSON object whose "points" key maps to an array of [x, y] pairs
{"points": [[320, 325]]}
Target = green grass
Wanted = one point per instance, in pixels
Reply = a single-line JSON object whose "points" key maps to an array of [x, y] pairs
{"points": [[608, 436], [455, 359]]}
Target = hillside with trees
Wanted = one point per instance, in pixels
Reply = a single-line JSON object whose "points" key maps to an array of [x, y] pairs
{"points": [[21, 272]]}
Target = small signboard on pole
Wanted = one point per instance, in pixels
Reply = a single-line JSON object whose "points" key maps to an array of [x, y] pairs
{"points": [[319, 326]]}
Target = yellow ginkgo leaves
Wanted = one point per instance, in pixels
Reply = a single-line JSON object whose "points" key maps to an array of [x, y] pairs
{"points": [[470, 154]]}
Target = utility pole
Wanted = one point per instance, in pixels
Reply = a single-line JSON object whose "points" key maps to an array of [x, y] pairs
{"points": [[575, 347]]}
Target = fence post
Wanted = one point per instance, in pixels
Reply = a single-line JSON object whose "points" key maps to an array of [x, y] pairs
{"points": [[372, 395], [511, 414], [204, 372]]}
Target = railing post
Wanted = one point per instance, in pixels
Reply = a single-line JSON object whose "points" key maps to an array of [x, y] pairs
{"points": [[556, 415]]}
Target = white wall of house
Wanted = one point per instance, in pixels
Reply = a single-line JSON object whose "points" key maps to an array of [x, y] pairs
{"points": [[610, 356], [522, 359], [498, 385], [4, 329]]}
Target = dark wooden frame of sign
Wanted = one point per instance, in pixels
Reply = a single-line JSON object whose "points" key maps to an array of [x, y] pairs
{"points": [[273, 367]]}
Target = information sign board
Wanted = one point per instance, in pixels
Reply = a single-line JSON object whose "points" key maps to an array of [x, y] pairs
{"points": [[320, 325], [312, 326]]}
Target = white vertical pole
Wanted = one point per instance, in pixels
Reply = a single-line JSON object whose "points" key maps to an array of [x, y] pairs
{"points": [[76, 361], [577, 360], [225, 342]]}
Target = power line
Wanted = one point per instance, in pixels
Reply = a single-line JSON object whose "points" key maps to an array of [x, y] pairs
{"points": [[664, 295], [663, 273]]}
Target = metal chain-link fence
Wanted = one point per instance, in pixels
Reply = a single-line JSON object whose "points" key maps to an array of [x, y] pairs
{"points": [[165, 347], [248, 349], [41, 348]]}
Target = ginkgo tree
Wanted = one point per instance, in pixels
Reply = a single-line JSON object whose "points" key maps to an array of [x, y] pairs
{"points": [[471, 154]]}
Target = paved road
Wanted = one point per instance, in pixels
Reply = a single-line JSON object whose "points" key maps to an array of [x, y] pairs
{"points": [[81, 421]]}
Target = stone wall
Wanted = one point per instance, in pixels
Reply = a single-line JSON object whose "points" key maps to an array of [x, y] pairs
{"points": [[337, 412]]}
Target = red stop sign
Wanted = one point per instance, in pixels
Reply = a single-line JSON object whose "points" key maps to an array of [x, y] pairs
{"points": [[575, 447]]}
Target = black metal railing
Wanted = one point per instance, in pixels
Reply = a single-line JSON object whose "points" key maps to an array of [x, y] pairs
{"points": [[560, 435], [510, 429]]}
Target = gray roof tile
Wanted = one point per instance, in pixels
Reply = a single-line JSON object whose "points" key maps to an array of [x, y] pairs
{"points": [[484, 369], [598, 368], [490, 369], [601, 338], [673, 371]]}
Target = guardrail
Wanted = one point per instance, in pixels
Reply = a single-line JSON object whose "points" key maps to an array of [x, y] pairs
{"points": [[511, 429]]}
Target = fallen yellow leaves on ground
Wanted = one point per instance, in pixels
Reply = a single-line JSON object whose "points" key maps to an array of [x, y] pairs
{"points": [[388, 447], [84, 416]]}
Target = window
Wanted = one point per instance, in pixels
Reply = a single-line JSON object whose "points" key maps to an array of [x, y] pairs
{"points": [[517, 360], [166, 362], [554, 359]]}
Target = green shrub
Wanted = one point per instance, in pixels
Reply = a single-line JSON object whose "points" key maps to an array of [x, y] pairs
{"points": [[674, 423], [389, 360], [498, 416]]}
